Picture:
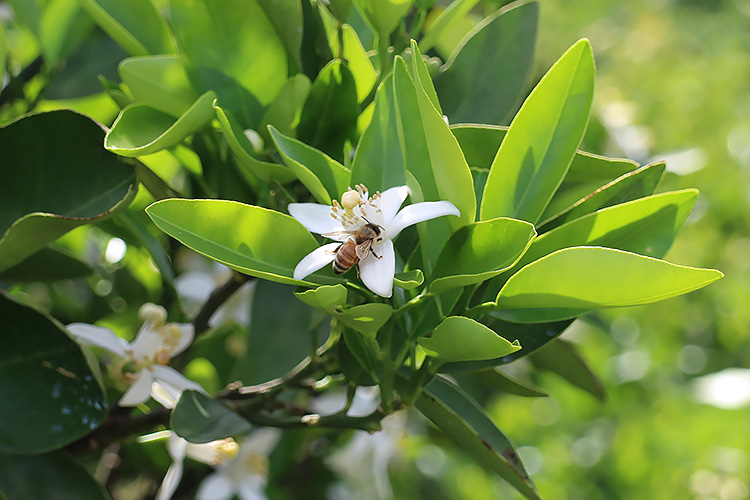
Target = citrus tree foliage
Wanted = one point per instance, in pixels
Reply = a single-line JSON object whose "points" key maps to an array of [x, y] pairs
{"points": [[266, 136]]}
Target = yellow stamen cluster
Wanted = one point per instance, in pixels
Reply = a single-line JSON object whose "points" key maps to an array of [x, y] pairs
{"points": [[226, 450], [344, 212], [257, 464]]}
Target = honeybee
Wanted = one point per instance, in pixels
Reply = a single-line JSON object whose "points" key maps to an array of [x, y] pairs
{"points": [[356, 248]]}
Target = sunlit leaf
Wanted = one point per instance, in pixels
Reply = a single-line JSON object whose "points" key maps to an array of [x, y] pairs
{"points": [[462, 339], [286, 18], [455, 11], [284, 112], [50, 395], [326, 297], [161, 82], [409, 280], [366, 318], [383, 15]]}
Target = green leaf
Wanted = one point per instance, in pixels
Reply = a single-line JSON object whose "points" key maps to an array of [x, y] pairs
{"points": [[480, 251], [420, 73], [628, 187], [61, 26], [367, 319], [462, 339], [329, 116], [497, 380], [434, 161], [573, 280], [50, 396], [542, 139], [485, 76], [455, 11], [461, 418], [56, 176], [243, 151], [647, 226], [47, 265], [356, 57], [141, 130], [54, 475], [200, 419], [322, 175], [286, 18], [365, 349], [383, 15], [252, 240], [326, 297], [284, 112], [378, 159], [234, 50], [161, 82], [409, 280], [280, 335], [135, 25], [562, 357]]}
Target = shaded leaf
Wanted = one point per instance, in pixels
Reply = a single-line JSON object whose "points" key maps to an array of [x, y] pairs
{"points": [[455, 11], [161, 82], [409, 280], [383, 15], [562, 357], [284, 112], [47, 265], [286, 18], [200, 419], [500, 381]]}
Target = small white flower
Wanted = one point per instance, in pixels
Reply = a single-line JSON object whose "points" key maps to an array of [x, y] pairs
{"points": [[212, 453], [357, 208], [246, 475], [144, 362]]}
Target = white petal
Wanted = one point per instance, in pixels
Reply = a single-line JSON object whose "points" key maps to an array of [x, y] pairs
{"points": [[215, 487], [194, 285], [177, 447], [316, 218], [171, 481], [419, 212], [146, 343], [377, 274], [252, 489], [139, 391], [262, 441], [315, 260], [170, 376], [390, 201], [187, 333], [99, 336]]}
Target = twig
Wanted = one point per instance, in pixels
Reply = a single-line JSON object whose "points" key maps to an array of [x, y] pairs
{"points": [[216, 299]]}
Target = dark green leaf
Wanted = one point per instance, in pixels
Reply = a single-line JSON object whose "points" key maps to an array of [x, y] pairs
{"points": [[54, 475], [49, 393], [47, 265], [284, 112], [495, 379], [461, 418], [562, 357], [329, 116], [56, 176], [365, 349], [484, 77], [200, 419]]}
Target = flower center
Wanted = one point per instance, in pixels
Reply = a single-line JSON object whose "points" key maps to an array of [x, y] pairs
{"points": [[352, 213]]}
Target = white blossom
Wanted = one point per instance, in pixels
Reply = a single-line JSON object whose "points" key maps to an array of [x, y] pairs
{"points": [[341, 221], [143, 364]]}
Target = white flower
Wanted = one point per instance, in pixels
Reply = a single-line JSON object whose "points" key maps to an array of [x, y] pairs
{"points": [[212, 453], [357, 209], [143, 363], [246, 475]]}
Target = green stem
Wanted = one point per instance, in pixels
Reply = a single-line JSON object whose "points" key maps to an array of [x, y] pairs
{"points": [[386, 380]]}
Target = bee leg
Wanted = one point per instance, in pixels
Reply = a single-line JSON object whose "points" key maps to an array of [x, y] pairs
{"points": [[376, 255], [357, 266]]}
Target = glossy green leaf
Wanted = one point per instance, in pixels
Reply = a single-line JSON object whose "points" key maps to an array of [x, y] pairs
{"points": [[135, 25], [286, 18], [279, 338], [61, 26], [54, 475], [249, 239], [462, 339], [454, 12], [500, 381], [461, 418], [378, 159], [366, 318], [383, 15], [234, 50], [329, 116], [284, 112], [50, 395], [359, 63], [630, 186], [542, 139], [161, 82], [200, 419], [646, 226], [56, 176], [480, 251], [365, 349], [322, 175], [562, 358], [409, 280], [484, 78], [47, 265], [434, 161], [421, 73], [243, 151], [141, 130], [587, 278], [326, 297]]}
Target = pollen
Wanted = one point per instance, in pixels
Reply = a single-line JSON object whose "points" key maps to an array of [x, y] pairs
{"points": [[162, 356]]}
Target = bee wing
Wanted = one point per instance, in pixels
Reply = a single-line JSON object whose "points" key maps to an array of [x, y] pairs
{"points": [[339, 235], [363, 249]]}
